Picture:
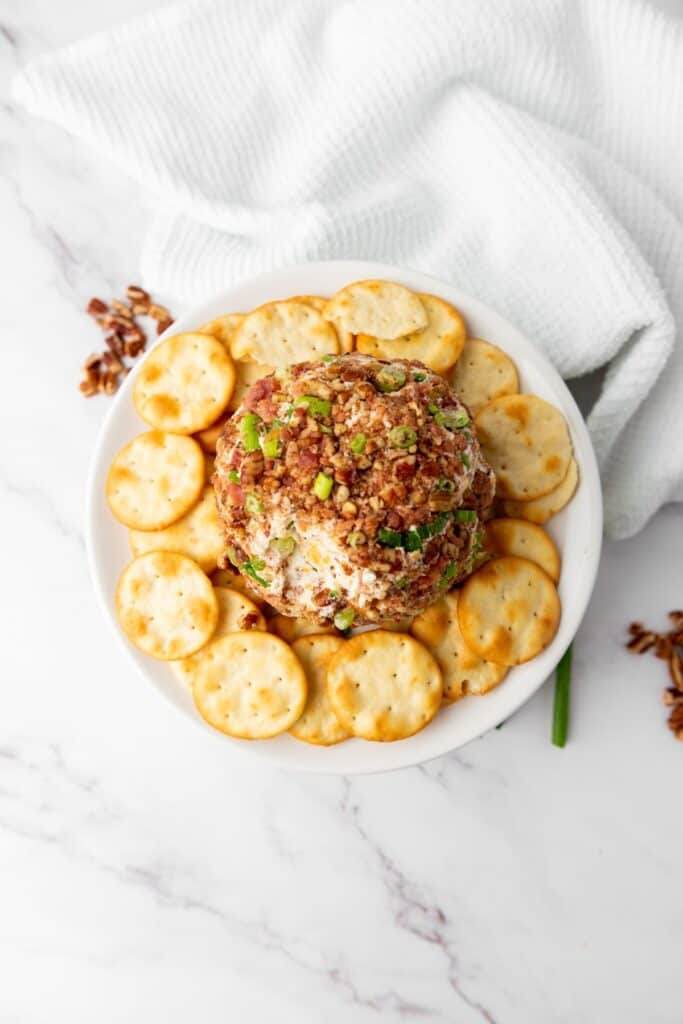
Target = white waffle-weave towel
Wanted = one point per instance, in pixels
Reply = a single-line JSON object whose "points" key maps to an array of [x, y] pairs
{"points": [[529, 150]]}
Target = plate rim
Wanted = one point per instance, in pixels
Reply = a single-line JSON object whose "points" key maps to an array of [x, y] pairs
{"points": [[405, 753]]}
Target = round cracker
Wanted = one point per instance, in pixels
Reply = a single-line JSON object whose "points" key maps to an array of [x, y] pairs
{"points": [[438, 345], [154, 480], [483, 373], [166, 605], [185, 383], [382, 309], [508, 611], [346, 339], [318, 723], [284, 333], [540, 510], [246, 374], [235, 581], [464, 672], [526, 540], [235, 613], [526, 442], [384, 686], [292, 629], [208, 437], [249, 685], [223, 328], [198, 534]]}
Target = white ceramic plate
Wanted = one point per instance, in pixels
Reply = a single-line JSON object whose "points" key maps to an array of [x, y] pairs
{"points": [[577, 531]]}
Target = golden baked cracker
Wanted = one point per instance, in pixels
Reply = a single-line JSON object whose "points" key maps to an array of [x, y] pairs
{"points": [[318, 723], [508, 611], [438, 345], [249, 685], [235, 613], [235, 581], [222, 327], [282, 333], [292, 629], [198, 534], [482, 373], [382, 309], [384, 686], [526, 442], [166, 605], [526, 540], [154, 480], [185, 383], [541, 509], [346, 339], [464, 672], [246, 374], [209, 436]]}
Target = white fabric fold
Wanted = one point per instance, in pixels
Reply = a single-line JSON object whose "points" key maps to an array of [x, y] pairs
{"points": [[528, 150]]}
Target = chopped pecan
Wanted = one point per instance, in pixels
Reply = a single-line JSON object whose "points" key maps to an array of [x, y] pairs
{"points": [[96, 307], [158, 312], [663, 647], [122, 309], [676, 619], [676, 721], [676, 670], [112, 362], [137, 294], [641, 644], [114, 342]]}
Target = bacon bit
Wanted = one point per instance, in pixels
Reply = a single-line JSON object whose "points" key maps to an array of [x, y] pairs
{"points": [[235, 494], [309, 458], [258, 391], [249, 620]]}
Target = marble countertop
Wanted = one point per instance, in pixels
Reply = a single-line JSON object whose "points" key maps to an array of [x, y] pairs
{"points": [[146, 874]]}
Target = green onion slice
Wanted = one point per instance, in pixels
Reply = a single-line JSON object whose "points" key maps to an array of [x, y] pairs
{"points": [[253, 505], [283, 545], [322, 486], [319, 408], [343, 620], [389, 538], [253, 567], [249, 431], [391, 378], [402, 437]]}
